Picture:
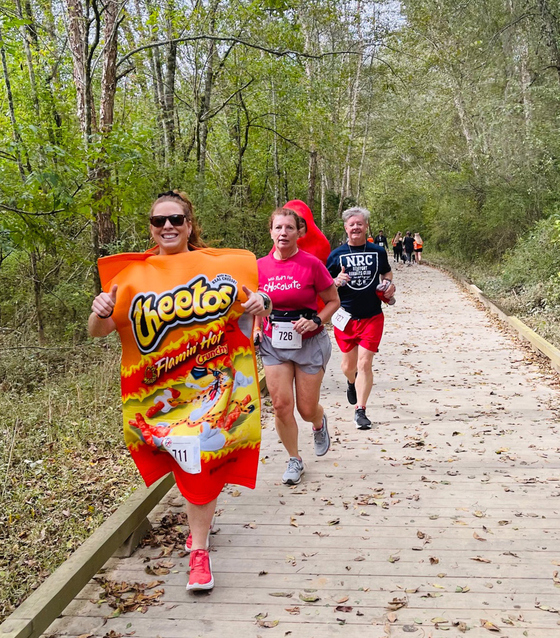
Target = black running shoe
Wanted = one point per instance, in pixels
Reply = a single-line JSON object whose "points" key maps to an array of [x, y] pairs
{"points": [[361, 420], [351, 393]]}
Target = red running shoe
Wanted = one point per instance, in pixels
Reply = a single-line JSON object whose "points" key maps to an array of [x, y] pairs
{"points": [[188, 543], [200, 577]]}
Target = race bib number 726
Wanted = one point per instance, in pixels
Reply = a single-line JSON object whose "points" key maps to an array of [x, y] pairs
{"points": [[285, 337]]}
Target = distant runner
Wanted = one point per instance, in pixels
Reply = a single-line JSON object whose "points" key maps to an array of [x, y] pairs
{"points": [[408, 244]]}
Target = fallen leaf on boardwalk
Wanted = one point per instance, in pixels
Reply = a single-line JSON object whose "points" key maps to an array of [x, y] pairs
{"points": [[438, 586], [159, 569], [502, 523], [462, 590], [489, 625], [461, 626], [261, 615], [479, 514], [508, 621], [111, 634], [510, 554], [168, 534], [294, 611], [309, 598], [392, 617], [478, 538], [479, 559], [394, 559], [320, 534], [267, 624], [555, 578], [431, 594], [293, 521], [438, 620], [344, 608], [236, 493], [251, 525], [434, 560], [341, 600], [552, 610], [359, 558], [412, 591], [397, 603], [137, 601], [263, 573], [336, 521], [420, 534], [281, 594], [85, 635]]}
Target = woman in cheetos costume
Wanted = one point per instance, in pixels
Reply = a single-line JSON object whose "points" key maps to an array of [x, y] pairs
{"points": [[190, 392]]}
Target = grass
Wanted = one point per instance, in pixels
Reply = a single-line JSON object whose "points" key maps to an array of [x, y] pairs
{"points": [[64, 467]]}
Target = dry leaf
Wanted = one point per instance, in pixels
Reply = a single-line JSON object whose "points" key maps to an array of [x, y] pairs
{"points": [[397, 603], [479, 559], [392, 617], [478, 538], [489, 625], [344, 608]]}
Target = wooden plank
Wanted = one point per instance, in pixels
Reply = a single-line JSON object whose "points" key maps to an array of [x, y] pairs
{"points": [[491, 453], [34, 615]]}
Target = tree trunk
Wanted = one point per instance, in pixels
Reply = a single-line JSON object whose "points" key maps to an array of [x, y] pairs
{"points": [[204, 108], [169, 97], [551, 31], [38, 298], [15, 129], [312, 179], [77, 36], [27, 35]]}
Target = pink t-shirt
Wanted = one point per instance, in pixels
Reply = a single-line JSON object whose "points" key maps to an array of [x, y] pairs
{"points": [[293, 283]]}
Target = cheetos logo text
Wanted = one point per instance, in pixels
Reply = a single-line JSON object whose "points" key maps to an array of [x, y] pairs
{"points": [[198, 301]]}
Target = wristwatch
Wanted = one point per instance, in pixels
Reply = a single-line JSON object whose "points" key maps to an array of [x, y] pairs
{"points": [[266, 300], [316, 319]]}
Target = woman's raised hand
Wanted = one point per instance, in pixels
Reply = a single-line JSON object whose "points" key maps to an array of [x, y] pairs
{"points": [[104, 304], [255, 302]]}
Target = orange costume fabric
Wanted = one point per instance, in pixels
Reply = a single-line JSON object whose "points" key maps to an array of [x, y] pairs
{"points": [[314, 241], [189, 381]]}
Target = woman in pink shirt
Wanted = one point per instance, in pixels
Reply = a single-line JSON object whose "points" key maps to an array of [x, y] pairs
{"points": [[294, 345]]}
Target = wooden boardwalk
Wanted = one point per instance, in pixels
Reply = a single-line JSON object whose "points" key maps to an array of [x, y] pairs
{"points": [[443, 519]]}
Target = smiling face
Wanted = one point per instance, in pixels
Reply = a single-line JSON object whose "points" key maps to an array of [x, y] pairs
{"points": [[356, 229], [284, 233], [171, 239]]}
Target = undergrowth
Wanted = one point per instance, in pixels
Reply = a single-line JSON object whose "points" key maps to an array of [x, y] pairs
{"points": [[64, 467], [525, 283]]}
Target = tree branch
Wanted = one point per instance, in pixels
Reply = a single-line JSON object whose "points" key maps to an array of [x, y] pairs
{"points": [[277, 52], [25, 212], [210, 114]]}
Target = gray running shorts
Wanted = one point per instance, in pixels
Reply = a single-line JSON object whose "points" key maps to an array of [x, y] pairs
{"points": [[310, 358]]}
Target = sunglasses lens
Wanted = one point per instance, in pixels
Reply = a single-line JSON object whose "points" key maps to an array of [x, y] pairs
{"points": [[176, 220], [159, 220]]}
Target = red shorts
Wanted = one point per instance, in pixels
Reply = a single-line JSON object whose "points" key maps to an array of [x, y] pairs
{"points": [[361, 332]]}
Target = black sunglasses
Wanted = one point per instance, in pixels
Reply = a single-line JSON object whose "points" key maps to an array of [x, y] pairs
{"points": [[175, 220]]}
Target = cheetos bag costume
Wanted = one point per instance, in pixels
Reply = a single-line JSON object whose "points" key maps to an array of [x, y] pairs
{"points": [[190, 390]]}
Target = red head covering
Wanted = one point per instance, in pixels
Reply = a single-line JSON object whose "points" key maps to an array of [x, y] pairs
{"points": [[314, 241]]}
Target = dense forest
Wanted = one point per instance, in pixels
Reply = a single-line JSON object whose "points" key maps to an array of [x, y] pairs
{"points": [[437, 115], [440, 116]]}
